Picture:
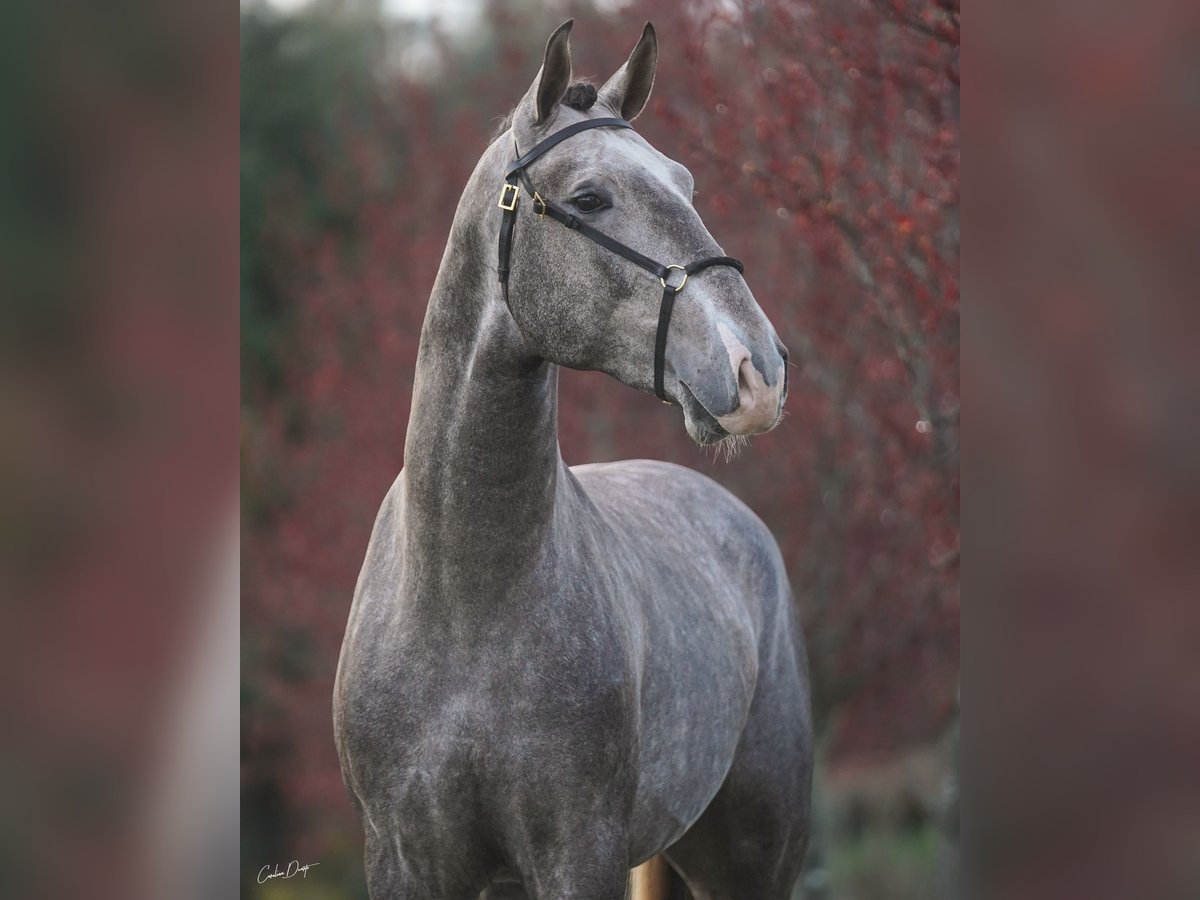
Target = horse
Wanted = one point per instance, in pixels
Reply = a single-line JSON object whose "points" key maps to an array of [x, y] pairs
{"points": [[551, 674]]}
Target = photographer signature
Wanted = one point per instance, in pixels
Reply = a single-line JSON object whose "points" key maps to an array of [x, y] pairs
{"points": [[293, 869]]}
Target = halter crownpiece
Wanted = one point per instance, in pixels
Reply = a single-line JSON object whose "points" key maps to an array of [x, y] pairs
{"points": [[515, 178]]}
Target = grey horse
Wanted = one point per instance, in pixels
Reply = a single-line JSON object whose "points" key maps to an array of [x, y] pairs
{"points": [[551, 674]]}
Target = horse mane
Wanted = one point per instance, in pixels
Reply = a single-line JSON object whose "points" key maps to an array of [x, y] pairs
{"points": [[580, 95]]}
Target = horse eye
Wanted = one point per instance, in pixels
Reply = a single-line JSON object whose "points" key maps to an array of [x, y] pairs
{"points": [[588, 203]]}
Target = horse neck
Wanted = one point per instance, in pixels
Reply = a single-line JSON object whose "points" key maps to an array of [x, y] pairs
{"points": [[481, 458]]}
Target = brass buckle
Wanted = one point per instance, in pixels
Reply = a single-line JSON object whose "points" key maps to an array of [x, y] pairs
{"points": [[663, 280], [512, 204], [539, 202]]}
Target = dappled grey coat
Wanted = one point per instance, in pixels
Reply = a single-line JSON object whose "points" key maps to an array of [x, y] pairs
{"points": [[551, 674]]}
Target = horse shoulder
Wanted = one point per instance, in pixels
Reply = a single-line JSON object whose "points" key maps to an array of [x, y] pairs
{"points": [[690, 509]]}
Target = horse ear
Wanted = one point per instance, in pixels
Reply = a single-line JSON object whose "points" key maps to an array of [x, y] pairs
{"points": [[628, 90], [551, 82]]}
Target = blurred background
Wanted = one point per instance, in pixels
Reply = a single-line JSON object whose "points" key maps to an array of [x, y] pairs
{"points": [[823, 137], [119, 290]]}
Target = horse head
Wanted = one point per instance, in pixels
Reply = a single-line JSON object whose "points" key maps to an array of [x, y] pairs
{"points": [[590, 303]]}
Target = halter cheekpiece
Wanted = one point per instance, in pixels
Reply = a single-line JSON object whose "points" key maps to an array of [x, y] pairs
{"points": [[510, 194]]}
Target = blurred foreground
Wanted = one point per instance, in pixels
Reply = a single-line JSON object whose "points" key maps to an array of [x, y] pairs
{"points": [[119, 386]]}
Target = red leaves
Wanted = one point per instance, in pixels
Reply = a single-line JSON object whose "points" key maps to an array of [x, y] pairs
{"points": [[874, 120]]}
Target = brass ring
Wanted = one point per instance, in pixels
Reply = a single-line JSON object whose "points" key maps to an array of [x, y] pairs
{"points": [[663, 281]]}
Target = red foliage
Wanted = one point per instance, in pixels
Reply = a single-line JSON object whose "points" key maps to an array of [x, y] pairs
{"points": [[824, 143]]}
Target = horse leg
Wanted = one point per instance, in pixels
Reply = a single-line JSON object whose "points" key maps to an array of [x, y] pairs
{"points": [[504, 891], [749, 843], [582, 874], [388, 878], [385, 876], [514, 891]]}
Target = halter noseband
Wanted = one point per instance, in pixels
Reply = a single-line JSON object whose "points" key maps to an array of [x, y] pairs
{"points": [[510, 194]]}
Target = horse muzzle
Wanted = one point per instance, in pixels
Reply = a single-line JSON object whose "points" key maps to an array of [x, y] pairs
{"points": [[738, 400], [760, 395]]}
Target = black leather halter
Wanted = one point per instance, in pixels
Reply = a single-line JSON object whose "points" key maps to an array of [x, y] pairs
{"points": [[510, 194]]}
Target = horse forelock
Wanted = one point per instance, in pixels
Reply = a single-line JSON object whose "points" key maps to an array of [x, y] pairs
{"points": [[580, 95]]}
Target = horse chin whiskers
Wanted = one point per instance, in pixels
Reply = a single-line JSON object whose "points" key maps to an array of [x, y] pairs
{"points": [[719, 441], [730, 446]]}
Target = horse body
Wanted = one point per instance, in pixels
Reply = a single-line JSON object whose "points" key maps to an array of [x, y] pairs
{"points": [[551, 674], [606, 693]]}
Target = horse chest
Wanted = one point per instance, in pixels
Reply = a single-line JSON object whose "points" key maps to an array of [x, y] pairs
{"points": [[432, 720]]}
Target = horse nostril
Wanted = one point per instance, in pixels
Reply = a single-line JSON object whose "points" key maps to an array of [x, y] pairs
{"points": [[745, 383]]}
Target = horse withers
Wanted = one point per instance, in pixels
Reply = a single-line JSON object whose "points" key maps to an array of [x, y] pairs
{"points": [[550, 674]]}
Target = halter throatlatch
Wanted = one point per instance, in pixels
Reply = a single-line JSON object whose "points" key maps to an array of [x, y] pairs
{"points": [[515, 179]]}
